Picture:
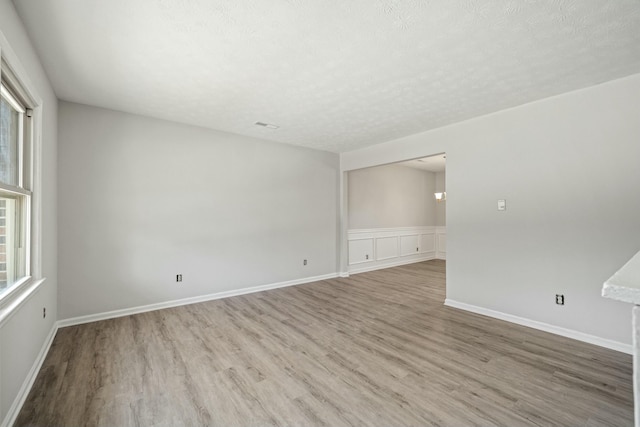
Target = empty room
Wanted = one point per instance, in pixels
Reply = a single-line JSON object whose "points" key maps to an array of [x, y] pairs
{"points": [[319, 213]]}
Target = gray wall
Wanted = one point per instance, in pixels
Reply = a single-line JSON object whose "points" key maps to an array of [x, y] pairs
{"points": [[568, 168], [441, 207], [22, 336], [142, 200], [391, 196]]}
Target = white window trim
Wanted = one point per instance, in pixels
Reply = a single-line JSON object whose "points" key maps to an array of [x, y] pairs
{"points": [[12, 100], [20, 292], [14, 190]]}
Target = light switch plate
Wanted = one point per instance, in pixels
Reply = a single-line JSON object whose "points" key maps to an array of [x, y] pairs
{"points": [[502, 205]]}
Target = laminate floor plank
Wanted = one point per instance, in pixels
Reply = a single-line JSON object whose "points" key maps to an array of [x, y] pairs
{"points": [[374, 349]]}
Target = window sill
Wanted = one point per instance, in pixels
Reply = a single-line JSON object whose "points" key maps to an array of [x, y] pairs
{"points": [[20, 293]]}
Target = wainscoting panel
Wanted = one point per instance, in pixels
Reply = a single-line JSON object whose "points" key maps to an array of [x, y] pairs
{"points": [[386, 248], [441, 242], [373, 249], [360, 250], [428, 243], [409, 245]]}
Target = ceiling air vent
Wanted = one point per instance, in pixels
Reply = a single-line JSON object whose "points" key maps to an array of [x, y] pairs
{"points": [[267, 125]]}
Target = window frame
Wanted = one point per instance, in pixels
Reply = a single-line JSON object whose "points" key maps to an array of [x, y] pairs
{"points": [[19, 191], [16, 81]]}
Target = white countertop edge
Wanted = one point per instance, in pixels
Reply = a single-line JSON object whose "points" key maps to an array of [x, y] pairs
{"points": [[621, 293], [624, 285]]}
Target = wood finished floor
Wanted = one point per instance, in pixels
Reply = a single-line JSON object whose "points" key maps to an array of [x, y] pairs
{"points": [[377, 349]]}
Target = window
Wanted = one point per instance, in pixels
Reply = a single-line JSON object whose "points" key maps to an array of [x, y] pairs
{"points": [[15, 184]]}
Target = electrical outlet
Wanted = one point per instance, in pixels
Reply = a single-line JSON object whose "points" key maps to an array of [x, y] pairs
{"points": [[178, 277], [559, 299], [304, 262], [44, 312]]}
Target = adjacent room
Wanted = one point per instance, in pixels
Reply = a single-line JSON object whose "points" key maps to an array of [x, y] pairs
{"points": [[397, 214], [291, 213]]}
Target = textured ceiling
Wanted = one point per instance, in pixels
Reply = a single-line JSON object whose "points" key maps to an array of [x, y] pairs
{"points": [[335, 75]]}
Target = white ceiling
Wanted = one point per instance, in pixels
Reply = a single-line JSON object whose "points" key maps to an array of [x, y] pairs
{"points": [[435, 163], [335, 75]]}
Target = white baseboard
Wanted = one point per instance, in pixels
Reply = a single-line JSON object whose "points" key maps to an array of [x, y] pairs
{"points": [[361, 268], [569, 333], [344, 275], [185, 301], [16, 406]]}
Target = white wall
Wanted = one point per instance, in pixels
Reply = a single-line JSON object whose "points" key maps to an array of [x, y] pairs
{"points": [[23, 335], [441, 207], [391, 196], [142, 200], [568, 167]]}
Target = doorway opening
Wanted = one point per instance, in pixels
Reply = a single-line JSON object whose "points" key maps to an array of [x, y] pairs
{"points": [[395, 214]]}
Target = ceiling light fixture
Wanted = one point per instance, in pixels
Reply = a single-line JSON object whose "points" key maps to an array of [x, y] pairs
{"points": [[267, 125], [440, 197]]}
